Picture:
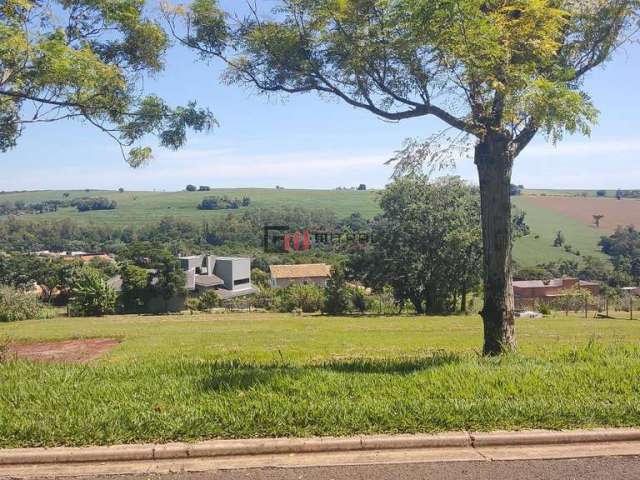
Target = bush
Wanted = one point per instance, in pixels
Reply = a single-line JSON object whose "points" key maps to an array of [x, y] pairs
{"points": [[204, 188], [222, 203], [543, 308], [306, 298], [559, 240], [16, 305], [91, 296], [336, 294], [359, 300], [208, 300], [601, 193], [97, 203], [191, 188]]}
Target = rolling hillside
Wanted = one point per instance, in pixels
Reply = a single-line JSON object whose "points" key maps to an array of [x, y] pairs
{"points": [[136, 208], [547, 211]]}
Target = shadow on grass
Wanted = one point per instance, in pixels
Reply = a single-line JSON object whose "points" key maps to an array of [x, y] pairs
{"points": [[399, 366], [239, 375]]}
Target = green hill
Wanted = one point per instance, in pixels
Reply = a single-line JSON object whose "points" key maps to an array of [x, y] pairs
{"points": [[139, 208], [544, 223]]}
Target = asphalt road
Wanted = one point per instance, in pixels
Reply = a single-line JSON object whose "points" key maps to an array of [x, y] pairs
{"points": [[605, 468]]}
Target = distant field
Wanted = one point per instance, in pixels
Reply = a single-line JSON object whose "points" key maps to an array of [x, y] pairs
{"points": [[545, 223], [548, 211], [184, 377], [136, 208], [616, 212]]}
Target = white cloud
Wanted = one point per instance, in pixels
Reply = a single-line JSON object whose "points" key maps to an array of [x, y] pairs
{"points": [[230, 164]]}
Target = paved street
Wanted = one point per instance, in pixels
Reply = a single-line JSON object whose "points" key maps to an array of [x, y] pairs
{"points": [[604, 468]]}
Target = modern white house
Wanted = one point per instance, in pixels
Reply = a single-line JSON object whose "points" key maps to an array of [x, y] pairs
{"points": [[229, 276]]}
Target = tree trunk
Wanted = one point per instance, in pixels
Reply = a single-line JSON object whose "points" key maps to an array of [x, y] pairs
{"points": [[463, 302], [418, 304], [494, 162]]}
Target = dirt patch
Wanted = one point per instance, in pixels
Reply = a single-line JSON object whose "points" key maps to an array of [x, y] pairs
{"points": [[72, 351], [615, 212]]}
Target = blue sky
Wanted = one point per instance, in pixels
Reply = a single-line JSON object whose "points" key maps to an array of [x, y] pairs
{"points": [[307, 142]]}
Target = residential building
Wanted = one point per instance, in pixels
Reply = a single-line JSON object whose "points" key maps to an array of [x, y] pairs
{"points": [[528, 292], [71, 256], [309, 273], [229, 276]]}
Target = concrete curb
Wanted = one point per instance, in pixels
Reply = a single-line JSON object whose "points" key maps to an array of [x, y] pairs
{"points": [[226, 448]]}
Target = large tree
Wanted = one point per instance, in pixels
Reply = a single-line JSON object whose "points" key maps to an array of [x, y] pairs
{"points": [[500, 71], [87, 59], [427, 244]]}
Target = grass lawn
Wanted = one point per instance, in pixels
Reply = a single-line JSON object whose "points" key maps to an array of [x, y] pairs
{"points": [[252, 375]]}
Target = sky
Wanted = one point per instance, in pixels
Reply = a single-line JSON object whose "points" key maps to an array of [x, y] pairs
{"points": [[304, 141]]}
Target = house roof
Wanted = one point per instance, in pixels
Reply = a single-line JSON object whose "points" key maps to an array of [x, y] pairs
{"points": [[225, 294], [555, 282], [208, 280], [307, 270]]}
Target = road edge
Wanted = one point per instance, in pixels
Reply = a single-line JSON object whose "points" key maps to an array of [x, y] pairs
{"points": [[274, 446]]}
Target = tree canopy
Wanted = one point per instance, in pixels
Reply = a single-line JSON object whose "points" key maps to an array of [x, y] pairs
{"points": [[427, 244], [506, 66], [497, 71], [87, 59]]}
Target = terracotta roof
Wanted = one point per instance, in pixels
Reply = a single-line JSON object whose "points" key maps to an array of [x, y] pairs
{"points": [[555, 282], [308, 270]]}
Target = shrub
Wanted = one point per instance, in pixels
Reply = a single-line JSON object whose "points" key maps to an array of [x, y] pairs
{"points": [[308, 298], [96, 203], [336, 294], [209, 203], [191, 188], [222, 203], [601, 193], [359, 300], [16, 305], [265, 298], [204, 188], [91, 296], [543, 308], [192, 304], [208, 300]]}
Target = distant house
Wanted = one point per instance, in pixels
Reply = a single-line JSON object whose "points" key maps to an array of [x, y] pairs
{"points": [[528, 292], [309, 273], [229, 276], [71, 256]]}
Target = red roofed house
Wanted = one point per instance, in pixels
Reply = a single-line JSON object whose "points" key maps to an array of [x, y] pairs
{"points": [[528, 292]]}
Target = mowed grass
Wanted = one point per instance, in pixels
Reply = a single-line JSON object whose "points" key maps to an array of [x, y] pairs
{"points": [[263, 375], [545, 223], [140, 208]]}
